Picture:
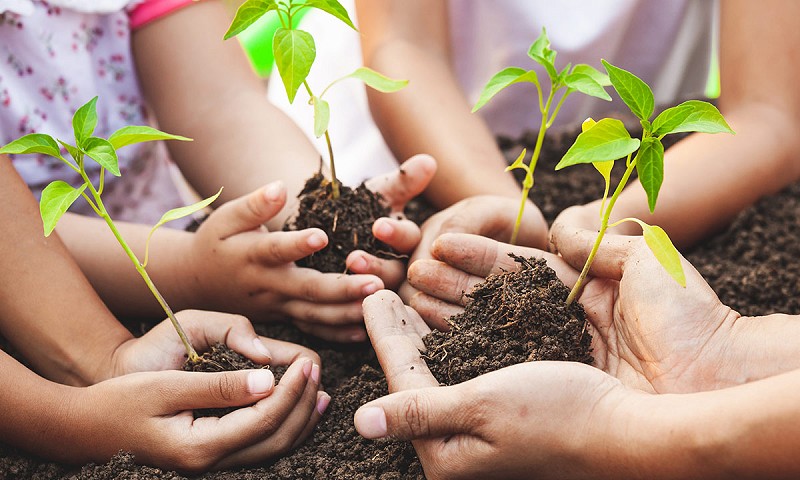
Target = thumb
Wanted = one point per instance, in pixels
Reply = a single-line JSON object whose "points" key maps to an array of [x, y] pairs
{"points": [[194, 390], [575, 244], [414, 414], [249, 212], [405, 183]]}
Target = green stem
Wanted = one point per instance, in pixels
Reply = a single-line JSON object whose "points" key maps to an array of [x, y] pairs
{"points": [[101, 209], [518, 223], [603, 226], [334, 180]]}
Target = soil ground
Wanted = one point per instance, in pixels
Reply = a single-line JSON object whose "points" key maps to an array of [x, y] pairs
{"points": [[753, 266]]}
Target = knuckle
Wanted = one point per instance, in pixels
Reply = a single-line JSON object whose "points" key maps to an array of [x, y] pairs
{"points": [[224, 388], [415, 415], [309, 291]]}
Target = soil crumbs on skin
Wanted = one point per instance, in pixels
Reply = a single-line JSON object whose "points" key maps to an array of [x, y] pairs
{"points": [[347, 221]]}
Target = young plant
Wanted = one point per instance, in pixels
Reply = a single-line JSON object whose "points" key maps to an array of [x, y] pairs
{"points": [[579, 78], [58, 196], [295, 51], [602, 143]]}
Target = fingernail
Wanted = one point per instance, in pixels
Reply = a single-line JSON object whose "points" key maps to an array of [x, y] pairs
{"points": [[359, 265], [315, 373], [370, 288], [383, 228], [261, 348], [307, 366], [317, 240], [323, 402], [371, 422], [272, 192], [260, 381]]}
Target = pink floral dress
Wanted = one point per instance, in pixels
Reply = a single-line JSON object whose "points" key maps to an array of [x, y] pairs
{"points": [[54, 57]]}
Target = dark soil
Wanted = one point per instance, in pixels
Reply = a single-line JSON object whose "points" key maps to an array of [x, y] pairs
{"points": [[760, 249], [346, 220]]}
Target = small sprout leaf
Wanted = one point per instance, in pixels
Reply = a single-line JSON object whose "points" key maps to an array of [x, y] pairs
{"points": [[502, 79], [247, 14], [322, 115], [632, 90], [596, 74], [74, 152], [605, 169], [519, 162], [665, 252], [56, 200], [101, 151], [84, 121], [33, 143], [541, 53], [294, 52], [650, 168], [377, 81], [587, 85], [138, 134], [606, 140], [691, 116], [587, 124], [334, 8]]}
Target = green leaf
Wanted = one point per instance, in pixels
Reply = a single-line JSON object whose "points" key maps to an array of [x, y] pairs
{"points": [[175, 214], [138, 134], [378, 81], [334, 8], [294, 52], [665, 252], [541, 53], [33, 143], [632, 90], [101, 151], [596, 74], [322, 115], [606, 140], [519, 162], [605, 169], [84, 121], [691, 116], [247, 14], [74, 152], [56, 200], [502, 79], [650, 167], [586, 85]]}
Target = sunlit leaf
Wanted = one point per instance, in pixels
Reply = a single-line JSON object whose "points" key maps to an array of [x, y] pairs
{"points": [[606, 140], [294, 52], [586, 85], [691, 116], [138, 134], [322, 116], [33, 143], [596, 74], [334, 8], [101, 151], [632, 90], [248, 13], [665, 252], [378, 81], [502, 79], [650, 167], [56, 199], [84, 121], [519, 162], [541, 53]]}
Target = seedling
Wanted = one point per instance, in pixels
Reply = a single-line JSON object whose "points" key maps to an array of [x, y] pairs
{"points": [[602, 143], [58, 196], [579, 78], [295, 51]]}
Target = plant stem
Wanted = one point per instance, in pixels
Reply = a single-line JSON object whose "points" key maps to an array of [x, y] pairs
{"points": [[334, 180], [603, 226], [190, 351]]}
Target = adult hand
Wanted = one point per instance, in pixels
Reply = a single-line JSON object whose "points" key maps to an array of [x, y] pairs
{"points": [[397, 188], [161, 349], [489, 216], [150, 415], [554, 412], [236, 265]]}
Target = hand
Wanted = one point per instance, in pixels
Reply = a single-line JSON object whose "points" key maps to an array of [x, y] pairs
{"points": [[150, 415], [532, 419], [397, 188], [490, 216], [236, 265], [161, 348]]}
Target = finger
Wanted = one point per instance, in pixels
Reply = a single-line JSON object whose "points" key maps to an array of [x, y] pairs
{"points": [[574, 244], [440, 280], [402, 235], [340, 334], [396, 341], [323, 401], [305, 284], [346, 314], [435, 312], [207, 328], [483, 256], [279, 248], [392, 272], [414, 414], [249, 212], [405, 183], [192, 390], [407, 292]]}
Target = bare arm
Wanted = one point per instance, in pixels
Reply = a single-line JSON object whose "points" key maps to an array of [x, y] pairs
{"points": [[716, 176], [409, 39]]}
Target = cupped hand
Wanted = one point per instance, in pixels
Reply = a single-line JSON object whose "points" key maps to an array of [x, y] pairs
{"points": [[528, 420], [397, 188], [161, 348], [150, 414], [237, 266]]}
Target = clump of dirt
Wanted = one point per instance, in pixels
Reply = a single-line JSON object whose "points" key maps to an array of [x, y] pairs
{"points": [[346, 220]]}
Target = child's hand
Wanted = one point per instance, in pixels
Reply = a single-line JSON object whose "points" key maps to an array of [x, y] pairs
{"points": [[161, 348], [397, 188], [236, 265], [149, 414]]}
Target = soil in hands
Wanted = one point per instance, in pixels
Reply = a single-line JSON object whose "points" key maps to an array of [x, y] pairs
{"points": [[346, 220], [219, 359]]}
